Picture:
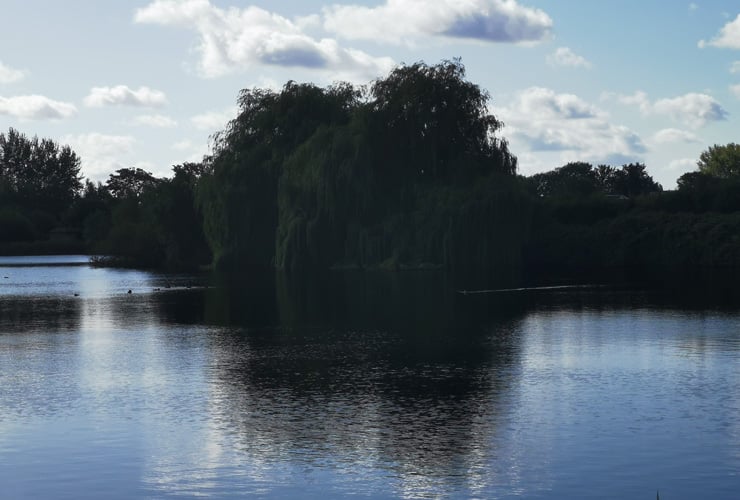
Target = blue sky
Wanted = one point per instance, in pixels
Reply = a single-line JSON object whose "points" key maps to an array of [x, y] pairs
{"points": [[145, 82]]}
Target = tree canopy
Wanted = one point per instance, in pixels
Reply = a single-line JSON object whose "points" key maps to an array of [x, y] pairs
{"points": [[313, 176], [721, 161], [577, 179], [37, 172]]}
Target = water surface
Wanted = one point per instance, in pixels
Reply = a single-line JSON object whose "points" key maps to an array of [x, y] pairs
{"points": [[380, 386]]}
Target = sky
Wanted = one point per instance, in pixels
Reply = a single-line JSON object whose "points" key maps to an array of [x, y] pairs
{"points": [[146, 83]]}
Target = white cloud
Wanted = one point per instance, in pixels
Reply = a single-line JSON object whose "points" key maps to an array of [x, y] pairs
{"points": [[214, 120], [36, 107], [242, 38], [639, 99], [121, 95], [693, 109], [693, 6], [544, 104], [11, 75], [100, 154], [683, 165], [565, 57], [727, 38], [735, 67], [735, 89], [674, 135], [158, 121], [543, 120], [184, 145], [404, 20], [189, 151]]}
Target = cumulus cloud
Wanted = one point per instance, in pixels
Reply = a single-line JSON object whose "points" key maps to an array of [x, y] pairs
{"points": [[727, 38], [214, 120], [674, 135], [403, 20], [735, 89], [158, 121], [693, 109], [735, 67], [545, 104], [544, 120], [11, 75], [639, 99], [36, 107], [100, 154], [565, 57], [242, 38], [121, 95]]}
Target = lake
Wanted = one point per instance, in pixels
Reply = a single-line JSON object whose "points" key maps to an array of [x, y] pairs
{"points": [[368, 385]]}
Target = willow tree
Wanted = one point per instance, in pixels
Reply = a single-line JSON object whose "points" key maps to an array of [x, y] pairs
{"points": [[416, 177], [433, 124], [239, 193], [310, 177]]}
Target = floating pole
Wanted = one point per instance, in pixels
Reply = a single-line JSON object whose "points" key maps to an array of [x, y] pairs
{"points": [[532, 288]]}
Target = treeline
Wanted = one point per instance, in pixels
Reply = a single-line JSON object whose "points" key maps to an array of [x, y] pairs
{"points": [[408, 172], [133, 219], [584, 226], [38, 180]]}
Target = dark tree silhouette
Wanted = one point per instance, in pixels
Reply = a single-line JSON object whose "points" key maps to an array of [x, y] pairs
{"points": [[130, 182], [632, 180], [402, 172], [38, 173]]}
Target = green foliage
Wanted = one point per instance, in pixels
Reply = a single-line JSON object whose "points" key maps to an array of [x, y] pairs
{"points": [[409, 173], [152, 222], [130, 182], [581, 179], [238, 196], [570, 180], [721, 161], [38, 173], [632, 180], [14, 226], [428, 122], [702, 192]]}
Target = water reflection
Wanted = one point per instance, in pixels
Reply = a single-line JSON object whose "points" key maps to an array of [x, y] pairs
{"points": [[362, 373], [384, 385]]}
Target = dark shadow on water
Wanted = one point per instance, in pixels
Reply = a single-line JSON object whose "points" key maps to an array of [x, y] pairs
{"points": [[32, 314], [394, 368]]}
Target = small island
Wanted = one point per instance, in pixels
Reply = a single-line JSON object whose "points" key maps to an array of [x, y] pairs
{"points": [[407, 173]]}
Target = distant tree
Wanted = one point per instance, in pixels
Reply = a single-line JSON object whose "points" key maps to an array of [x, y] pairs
{"points": [[579, 179], [705, 192], [130, 182], [572, 179], [604, 175], [721, 161], [695, 181], [179, 225], [38, 173], [190, 170], [632, 179]]}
